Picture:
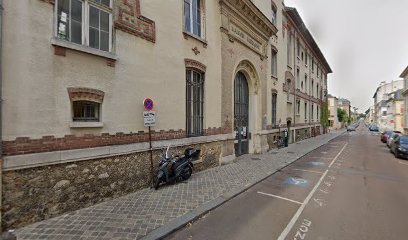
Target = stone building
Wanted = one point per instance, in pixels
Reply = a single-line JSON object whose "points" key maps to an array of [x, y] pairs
{"points": [[381, 96], [225, 76], [404, 75], [333, 118]]}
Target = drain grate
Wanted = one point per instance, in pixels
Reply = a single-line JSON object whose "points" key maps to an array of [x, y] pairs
{"points": [[291, 152], [273, 152], [256, 159]]}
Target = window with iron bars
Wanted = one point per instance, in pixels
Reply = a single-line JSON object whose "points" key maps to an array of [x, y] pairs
{"points": [[194, 103]]}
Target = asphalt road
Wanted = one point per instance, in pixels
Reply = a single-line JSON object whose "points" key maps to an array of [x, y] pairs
{"points": [[350, 188]]}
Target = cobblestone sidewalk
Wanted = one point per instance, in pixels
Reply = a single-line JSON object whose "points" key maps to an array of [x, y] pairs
{"points": [[136, 215]]}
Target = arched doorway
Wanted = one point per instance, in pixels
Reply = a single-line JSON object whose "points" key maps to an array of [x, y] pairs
{"points": [[241, 116]]}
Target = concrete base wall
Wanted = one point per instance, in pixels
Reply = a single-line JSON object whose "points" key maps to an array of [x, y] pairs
{"points": [[33, 194]]}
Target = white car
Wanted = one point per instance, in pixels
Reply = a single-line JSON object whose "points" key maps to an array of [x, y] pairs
{"points": [[391, 138]]}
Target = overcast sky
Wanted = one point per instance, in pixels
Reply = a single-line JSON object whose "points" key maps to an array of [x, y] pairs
{"points": [[364, 41]]}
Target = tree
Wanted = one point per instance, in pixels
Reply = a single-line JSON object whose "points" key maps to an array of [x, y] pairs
{"points": [[342, 116]]}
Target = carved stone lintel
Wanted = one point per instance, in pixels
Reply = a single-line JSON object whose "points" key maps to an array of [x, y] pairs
{"points": [[89, 94], [190, 63]]}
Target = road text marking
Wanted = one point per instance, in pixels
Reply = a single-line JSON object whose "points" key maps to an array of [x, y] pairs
{"points": [[283, 198], [295, 217]]}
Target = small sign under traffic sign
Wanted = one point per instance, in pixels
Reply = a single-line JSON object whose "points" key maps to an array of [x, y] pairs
{"points": [[149, 118]]}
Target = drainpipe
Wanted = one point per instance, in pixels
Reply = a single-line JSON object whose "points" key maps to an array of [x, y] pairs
{"points": [[1, 102], [294, 92]]}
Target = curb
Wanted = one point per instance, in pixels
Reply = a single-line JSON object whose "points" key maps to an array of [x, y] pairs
{"points": [[180, 222]]}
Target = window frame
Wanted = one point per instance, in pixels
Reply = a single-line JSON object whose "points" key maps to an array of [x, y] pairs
{"points": [[85, 23], [97, 111], [191, 129], [274, 108], [191, 22], [274, 63]]}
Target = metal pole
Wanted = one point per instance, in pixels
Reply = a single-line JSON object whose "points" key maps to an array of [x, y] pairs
{"points": [[151, 153]]}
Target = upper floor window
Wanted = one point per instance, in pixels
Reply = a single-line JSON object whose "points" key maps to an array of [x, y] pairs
{"points": [[289, 48], [274, 63], [273, 18], [306, 57], [193, 11], [85, 22], [274, 103]]}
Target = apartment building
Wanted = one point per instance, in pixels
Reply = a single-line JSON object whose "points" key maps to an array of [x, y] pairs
{"points": [[225, 76], [404, 75], [381, 96], [333, 117]]}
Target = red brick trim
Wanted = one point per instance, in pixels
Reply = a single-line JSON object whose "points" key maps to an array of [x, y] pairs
{"points": [[25, 145], [128, 19], [89, 94], [60, 51]]}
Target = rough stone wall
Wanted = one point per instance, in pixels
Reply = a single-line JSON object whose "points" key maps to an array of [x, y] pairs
{"points": [[34, 194], [302, 134]]}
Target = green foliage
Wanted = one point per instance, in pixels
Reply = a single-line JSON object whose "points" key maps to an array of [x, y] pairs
{"points": [[342, 116], [324, 118]]}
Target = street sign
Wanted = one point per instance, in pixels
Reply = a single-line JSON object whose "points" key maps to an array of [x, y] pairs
{"points": [[149, 118], [148, 104]]}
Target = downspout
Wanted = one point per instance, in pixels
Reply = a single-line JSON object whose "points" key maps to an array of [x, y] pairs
{"points": [[1, 110], [294, 92]]}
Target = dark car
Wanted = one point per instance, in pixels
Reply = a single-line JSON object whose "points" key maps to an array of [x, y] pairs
{"points": [[374, 129], [400, 146], [387, 134], [384, 136]]}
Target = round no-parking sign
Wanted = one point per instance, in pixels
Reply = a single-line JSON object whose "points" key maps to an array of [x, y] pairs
{"points": [[148, 104]]}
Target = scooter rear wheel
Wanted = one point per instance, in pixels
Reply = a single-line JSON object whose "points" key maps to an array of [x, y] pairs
{"points": [[187, 171]]}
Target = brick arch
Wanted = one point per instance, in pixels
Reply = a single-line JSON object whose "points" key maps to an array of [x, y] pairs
{"points": [[85, 94]]}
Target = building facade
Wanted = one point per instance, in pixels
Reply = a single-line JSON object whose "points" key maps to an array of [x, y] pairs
{"points": [[333, 118], [404, 75], [225, 76], [381, 104]]}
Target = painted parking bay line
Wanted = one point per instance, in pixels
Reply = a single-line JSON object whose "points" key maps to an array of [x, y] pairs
{"points": [[403, 163], [295, 217], [305, 170], [283, 198]]}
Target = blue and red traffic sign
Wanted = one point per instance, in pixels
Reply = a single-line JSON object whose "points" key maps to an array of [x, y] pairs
{"points": [[148, 104]]}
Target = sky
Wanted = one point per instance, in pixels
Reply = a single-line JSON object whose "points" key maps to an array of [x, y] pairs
{"points": [[364, 41]]}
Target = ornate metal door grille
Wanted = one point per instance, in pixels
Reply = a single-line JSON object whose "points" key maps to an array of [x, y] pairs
{"points": [[241, 107]]}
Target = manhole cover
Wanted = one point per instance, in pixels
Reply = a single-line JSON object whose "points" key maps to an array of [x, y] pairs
{"points": [[291, 152], [256, 159]]}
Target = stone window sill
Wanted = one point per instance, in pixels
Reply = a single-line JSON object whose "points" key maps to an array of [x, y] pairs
{"points": [[86, 125], [190, 35], [81, 48]]}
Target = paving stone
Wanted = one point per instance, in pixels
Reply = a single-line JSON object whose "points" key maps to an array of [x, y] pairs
{"points": [[135, 215]]}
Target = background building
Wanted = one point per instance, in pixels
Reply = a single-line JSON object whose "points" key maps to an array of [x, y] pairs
{"points": [[381, 104], [333, 118], [404, 75]]}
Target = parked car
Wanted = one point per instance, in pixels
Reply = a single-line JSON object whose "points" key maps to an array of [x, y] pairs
{"points": [[391, 138], [385, 135], [374, 129], [351, 128], [400, 146]]}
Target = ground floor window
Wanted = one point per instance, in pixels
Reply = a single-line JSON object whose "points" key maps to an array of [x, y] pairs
{"points": [[86, 111], [195, 102]]}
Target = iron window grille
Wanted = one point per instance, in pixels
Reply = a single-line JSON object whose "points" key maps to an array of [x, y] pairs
{"points": [[194, 103], [86, 111]]}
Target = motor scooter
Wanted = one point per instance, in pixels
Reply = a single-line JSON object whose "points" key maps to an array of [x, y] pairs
{"points": [[173, 168]]}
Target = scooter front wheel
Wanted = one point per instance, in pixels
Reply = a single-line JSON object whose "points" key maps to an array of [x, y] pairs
{"points": [[156, 182], [187, 171]]}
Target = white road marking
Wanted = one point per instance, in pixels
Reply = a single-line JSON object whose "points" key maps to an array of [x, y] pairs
{"points": [[403, 163], [283, 198], [304, 170], [295, 217], [335, 158]]}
